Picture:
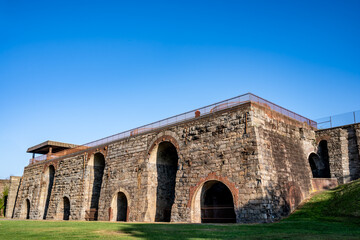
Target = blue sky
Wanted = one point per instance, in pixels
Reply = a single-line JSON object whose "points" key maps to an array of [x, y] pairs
{"points": [[77, 71]]}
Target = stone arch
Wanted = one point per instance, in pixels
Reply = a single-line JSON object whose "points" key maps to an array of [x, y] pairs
{"points": [[66, 208], [93, 180], [166, 136], [194, 202], [113, 210], [63, 209], [322, 138], [46, 189], [213, 202], [319, 162], [163, 166], [25, 209], [119, 207]]}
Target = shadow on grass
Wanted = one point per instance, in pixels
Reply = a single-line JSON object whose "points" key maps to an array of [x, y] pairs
{"points": [[172, 231]]}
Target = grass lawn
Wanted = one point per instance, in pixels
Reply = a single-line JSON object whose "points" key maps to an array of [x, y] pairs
{"points": [[333, 214]]}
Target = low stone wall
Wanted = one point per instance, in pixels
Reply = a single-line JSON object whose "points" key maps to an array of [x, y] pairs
{"points": [[320, 184], [13, 193]]}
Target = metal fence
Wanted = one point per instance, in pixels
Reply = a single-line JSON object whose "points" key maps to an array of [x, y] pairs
{"points": [[207, 110], [339, 120]]}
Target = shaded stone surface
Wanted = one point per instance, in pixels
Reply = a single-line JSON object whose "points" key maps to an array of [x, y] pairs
{"points": [[343, 151]]}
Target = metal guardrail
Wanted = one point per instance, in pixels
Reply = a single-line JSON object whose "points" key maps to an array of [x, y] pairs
{"points": [[339, 120], [207, 110]]}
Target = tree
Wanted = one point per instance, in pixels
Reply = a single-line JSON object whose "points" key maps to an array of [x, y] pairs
{"points": [[3, 201]]}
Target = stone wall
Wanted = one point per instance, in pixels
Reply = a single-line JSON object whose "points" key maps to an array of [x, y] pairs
{"points": [[283, 145], [343, 149], [29, 189], [260, 155], [12, 197]]}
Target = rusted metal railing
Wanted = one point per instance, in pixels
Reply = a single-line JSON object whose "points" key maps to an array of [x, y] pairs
{"points": [[207, 110]]}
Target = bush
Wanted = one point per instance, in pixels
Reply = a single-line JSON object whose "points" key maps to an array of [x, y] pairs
{"points": [[3, 199]]}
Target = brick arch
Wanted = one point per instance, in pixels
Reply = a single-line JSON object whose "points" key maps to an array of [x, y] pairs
{"points": [[294, 196], [55, 164], [163, 138], [103, 150], [211, 177], [321, 138]]}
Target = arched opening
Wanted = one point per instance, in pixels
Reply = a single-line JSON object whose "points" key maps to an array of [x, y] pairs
{"points": [[27, 209], [66, 208], [121, 207], [118, 210], [323, 152], [314, 161], [96, 167], [319, 162], [5, 205], [217, 204], [50, 173], [166, 168]]}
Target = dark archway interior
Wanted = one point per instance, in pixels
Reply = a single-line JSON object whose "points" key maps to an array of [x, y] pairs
{"points": [[99, 166], [5, 204], [121, 207], [49, 189], [319, 163], [66, 208], [27, 209], [217, 205], [166, 166]]}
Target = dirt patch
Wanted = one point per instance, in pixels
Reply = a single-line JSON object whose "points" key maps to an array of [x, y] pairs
{"points": [[112, 233]]}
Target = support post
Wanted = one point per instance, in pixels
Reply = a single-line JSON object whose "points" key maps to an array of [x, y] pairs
{"points": [[330, 122], [50, 153], [354, 117]]}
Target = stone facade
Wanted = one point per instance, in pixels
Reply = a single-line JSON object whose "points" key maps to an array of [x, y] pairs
{"points": [[12, 197], [344, 151], [257, 153]]}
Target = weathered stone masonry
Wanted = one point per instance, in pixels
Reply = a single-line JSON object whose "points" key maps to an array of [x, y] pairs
{"points": [[258, 155], [343, 150]]}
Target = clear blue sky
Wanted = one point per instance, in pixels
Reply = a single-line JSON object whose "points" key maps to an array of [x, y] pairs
{"points": [[77, 71]]}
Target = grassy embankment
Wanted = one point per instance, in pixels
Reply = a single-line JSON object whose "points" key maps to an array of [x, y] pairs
{"points": [[333, 214]]}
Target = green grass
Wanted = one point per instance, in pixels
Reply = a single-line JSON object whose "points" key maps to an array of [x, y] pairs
{"points": [[333, 214]]}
